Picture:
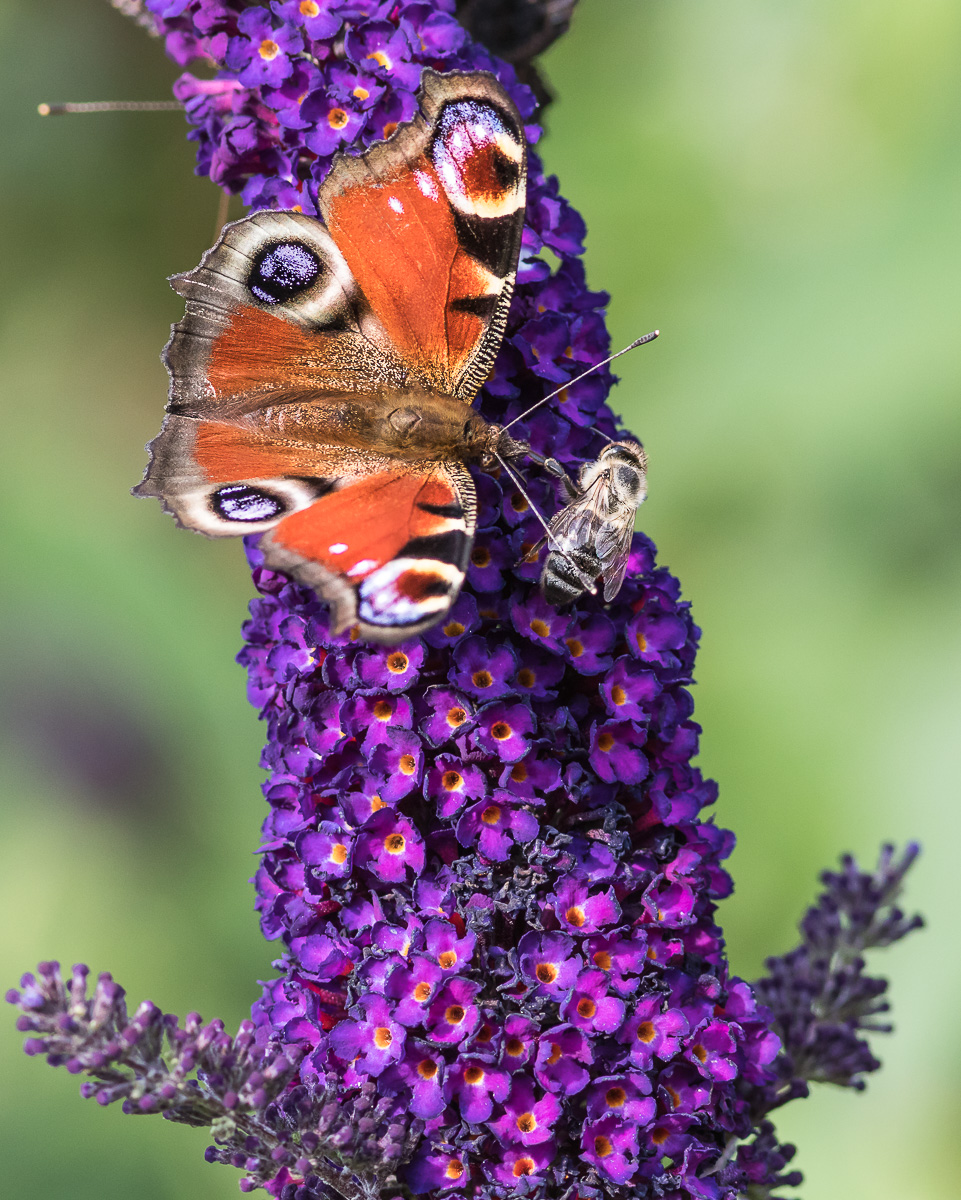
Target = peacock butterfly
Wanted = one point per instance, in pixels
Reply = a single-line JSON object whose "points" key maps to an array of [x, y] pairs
{"points": [[322, 376]]}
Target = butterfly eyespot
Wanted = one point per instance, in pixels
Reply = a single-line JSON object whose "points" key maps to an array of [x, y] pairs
{"points": [[282, 270], [239, 502]]}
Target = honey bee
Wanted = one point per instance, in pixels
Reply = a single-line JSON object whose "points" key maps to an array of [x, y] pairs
{"points": [[591, 535]]}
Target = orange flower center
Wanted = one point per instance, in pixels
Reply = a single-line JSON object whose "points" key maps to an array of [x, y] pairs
{"points": [[523, 1166], [646, 1032], [422, 992], [474, 1075], [616, 1097], [360, 93], [383, 711], [451, 781], [482, 679], [526, 677], [641, 642], [383, 1037], [605, 742], [586, 1008], [576, 915], [576, 648], [603, 960], [500, 731], [491, 814], [337, 118], [541, 628], [456, 717], [338, 853], [395, 843], [603, 1146], [453, 629], [407, 764], [454, 1014], [268, 50], [427, 1068], [518, 773], [381, 59], [546, 972], [447, 959], [480, 556], [309, 9], [527, 1122], [455, 1169], [514, 1047], [398, 662], [618, 695], [518, 502]]}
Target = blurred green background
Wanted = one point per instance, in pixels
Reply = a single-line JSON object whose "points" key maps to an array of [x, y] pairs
{"points": [[778, 189]]}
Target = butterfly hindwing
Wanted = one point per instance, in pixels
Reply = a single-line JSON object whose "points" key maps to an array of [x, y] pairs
{"points": [[388, 550], [430, 224]]}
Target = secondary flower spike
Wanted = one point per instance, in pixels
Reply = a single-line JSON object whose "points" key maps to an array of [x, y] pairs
{"points": [[487, 855]]}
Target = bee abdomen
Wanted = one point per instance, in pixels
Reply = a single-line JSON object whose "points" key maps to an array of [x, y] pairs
{"points": [[568, 573]]}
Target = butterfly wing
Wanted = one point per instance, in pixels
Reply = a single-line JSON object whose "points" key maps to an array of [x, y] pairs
{"points": [[430, 224], [388, 551], [297, 346]]}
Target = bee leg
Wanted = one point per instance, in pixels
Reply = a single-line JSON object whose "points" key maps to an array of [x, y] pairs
{"points": [[553, 467]]}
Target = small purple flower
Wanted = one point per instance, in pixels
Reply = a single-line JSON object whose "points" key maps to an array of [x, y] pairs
{"points": [[611, 1146], [392, 667], [451, 784], [588, 641], [629, 691], [390, 848], [483, 670], [580, 911], [454, 1014], [526, 1119], [495, 826], [616, 752], [564, 1058], [649, 1031], [590, 1008], [261, 53], [504, 730], [536, 620], [475, 1085], [384, 50], [626, 1097], [548, 963], [318, 17], [711, 1050], [371, 1037]]}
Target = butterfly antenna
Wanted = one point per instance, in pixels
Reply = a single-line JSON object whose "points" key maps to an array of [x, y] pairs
{"points": [[523, 492], [641, 341], [99, 106]]}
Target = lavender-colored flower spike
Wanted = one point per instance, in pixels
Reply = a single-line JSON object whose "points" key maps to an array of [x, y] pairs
{"points": [[486, 855]]}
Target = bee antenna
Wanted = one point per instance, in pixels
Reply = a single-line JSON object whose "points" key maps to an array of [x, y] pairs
{"points": [[523, 492], [641, 341]]}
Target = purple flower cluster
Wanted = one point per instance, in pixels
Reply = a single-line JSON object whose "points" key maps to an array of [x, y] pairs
{"points": [[487, 854], [822, 1000]]}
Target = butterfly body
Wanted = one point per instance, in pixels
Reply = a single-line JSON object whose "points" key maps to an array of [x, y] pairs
{"points": [[323, 374], [591, 536]]}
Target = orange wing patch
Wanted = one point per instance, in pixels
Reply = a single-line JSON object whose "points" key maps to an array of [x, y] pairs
{"points": [[388, 551]]}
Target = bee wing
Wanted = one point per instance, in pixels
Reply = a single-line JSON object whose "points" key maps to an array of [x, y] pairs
{"points": [[578, 523], [613, 547]]}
